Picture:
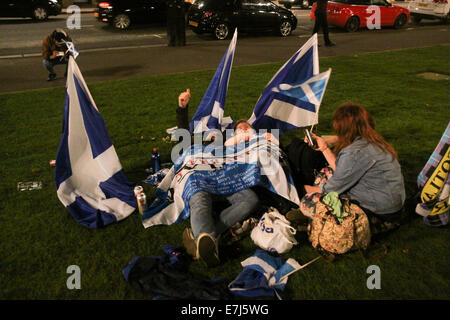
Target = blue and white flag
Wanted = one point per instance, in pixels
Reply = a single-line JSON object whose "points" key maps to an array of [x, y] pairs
{"points": [[264, 275], [89, 178], [209, 114], [293, 96], [71, 49]]}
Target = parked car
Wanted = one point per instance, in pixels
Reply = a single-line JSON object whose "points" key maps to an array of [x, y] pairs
{"points": [[220, 17], [353, 14], [305, 4], [37, 9], [122, 13], [426, 9]]}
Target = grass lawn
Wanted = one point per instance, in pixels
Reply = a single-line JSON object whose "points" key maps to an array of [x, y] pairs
{"points": [[39, 239]]}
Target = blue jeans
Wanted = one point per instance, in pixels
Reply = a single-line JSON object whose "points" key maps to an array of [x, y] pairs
{"points": [[202, 216], [49, 64]]}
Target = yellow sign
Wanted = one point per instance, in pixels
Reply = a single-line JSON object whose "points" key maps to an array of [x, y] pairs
{"points": [[440, 207], [436, 182], [193, 23]]}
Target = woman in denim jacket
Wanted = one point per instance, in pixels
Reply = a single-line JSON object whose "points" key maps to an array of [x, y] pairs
{"points": [[364, 166]]}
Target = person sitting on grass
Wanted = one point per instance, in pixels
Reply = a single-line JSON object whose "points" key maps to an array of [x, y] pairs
{"points": [[363, 166]]}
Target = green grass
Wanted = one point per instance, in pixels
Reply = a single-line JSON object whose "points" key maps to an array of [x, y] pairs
{"points": [[39, 239]]}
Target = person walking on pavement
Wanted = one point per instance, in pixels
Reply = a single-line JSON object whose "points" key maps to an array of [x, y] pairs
{"points": [[176, 23], [321, 21], [54, 51]]}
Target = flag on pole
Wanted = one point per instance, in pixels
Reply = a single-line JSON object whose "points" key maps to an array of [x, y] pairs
{"points": [[293, 96], [89, 178], [71, 49], [210, 112]]}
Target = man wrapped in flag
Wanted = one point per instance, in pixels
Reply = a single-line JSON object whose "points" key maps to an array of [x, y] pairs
{"points": [[293, 96], [89, 178]]}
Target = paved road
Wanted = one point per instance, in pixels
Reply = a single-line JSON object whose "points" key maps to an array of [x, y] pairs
{"points": [[107, 54]]}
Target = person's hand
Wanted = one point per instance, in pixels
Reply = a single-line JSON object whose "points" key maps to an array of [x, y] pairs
{"points": [[321, 143], [183, 98], [54, 54], [311, 189]]}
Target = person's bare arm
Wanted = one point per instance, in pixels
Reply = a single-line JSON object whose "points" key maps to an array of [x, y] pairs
{"points": [[327, 153]]}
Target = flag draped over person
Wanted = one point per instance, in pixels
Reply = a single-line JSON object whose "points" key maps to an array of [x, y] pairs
{"points": [[293, 96], [89, 178], [210, 112], [220, 170]]}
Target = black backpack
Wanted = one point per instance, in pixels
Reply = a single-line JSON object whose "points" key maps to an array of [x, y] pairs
{"points": [[304, 162]]}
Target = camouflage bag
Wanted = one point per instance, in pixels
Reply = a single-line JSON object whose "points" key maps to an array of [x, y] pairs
{"points": [[325, 232]]}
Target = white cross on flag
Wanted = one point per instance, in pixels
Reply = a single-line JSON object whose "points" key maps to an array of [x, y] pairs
{"points": [[89, 178]]}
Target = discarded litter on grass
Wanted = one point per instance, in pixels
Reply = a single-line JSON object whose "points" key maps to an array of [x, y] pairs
{"points": [[32, 185]]}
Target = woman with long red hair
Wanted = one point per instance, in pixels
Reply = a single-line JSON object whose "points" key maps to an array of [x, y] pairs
{"points": [[364, 166]]}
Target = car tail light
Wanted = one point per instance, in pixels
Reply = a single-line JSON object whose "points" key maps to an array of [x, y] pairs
{"points": [[207, 14], [104, 5]]}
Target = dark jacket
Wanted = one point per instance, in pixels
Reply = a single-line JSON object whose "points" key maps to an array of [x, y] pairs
{"points": [[322, 5], [182, 118]]}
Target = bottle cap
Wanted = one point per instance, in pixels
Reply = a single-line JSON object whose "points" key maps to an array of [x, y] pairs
{"points": [[154, 149]]}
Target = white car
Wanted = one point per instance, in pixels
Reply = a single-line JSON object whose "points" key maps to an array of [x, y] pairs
{"points": [[426, 9]]}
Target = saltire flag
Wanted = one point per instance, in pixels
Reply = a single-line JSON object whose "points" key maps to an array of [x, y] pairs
{"points": [[434, 185], [293, 96], [89, 178], [210, 112], [264, 275], [71, 49]]}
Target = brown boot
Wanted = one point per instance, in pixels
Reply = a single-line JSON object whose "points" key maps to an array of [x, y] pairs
{"points": [[189, 243], [207, 250]]}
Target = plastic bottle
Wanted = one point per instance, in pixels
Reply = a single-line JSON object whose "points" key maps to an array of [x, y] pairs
{"points": [[156, 161]]}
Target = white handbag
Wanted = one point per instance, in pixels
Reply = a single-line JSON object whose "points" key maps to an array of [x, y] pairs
{"points": [[274, 233]]}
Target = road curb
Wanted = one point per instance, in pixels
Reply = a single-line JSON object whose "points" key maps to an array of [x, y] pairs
{"points": [[82, 10]]}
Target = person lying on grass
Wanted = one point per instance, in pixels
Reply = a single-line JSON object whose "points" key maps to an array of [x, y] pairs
{"points": [[244, 131], [201, 240], [362, 165]]}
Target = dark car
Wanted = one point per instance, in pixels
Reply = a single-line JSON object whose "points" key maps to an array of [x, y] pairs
{"points": [[220, 17], [37, 9], [305, 4], [122, 13]]}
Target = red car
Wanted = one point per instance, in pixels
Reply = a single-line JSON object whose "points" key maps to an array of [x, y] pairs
{"points": [[354, 14]]}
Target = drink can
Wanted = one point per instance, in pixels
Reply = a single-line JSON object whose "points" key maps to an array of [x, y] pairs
{"points": [[142, 203], [53, 163], [138, 190]]}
